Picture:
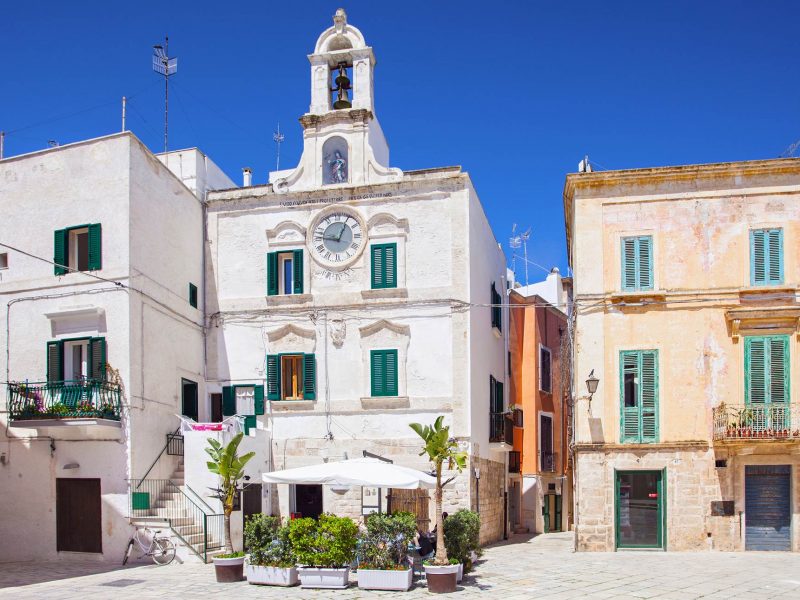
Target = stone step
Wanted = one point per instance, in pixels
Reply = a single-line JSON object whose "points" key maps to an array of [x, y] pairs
{"points": [[189, 529]]}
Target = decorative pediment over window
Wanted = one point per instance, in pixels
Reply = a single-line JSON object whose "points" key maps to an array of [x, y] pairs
{"points": [[385, 223], [762, 321], [383, 324], [286, 233], [291, 338]]}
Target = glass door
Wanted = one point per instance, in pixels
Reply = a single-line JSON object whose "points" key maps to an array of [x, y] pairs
{"points": [[640, 509]]}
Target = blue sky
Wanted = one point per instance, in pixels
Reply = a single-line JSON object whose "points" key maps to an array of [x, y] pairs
{"points": [[515, 92]]}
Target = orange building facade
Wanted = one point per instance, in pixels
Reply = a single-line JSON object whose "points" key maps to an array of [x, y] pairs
{"points": [[540, 481]]}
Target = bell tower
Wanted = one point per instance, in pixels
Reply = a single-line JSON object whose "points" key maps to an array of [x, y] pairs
{"points": [[343, 143]]}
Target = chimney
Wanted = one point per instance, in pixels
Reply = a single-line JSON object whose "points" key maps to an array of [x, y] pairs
{"points": [[247, 176]]}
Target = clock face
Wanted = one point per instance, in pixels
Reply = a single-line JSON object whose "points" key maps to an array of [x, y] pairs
{"points": [[338, 238]]}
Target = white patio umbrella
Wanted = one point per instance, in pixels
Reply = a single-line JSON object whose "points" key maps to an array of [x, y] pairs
{"points": [[357, 471]]}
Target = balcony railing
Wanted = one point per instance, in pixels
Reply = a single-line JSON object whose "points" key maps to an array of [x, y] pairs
{"points": [[501, 429], [514, 461], [776, 421], [84, 399], [549, 462]]}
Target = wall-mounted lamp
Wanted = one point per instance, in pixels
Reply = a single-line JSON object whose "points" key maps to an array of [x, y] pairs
{"points": [[71, 466], [591, 387]]}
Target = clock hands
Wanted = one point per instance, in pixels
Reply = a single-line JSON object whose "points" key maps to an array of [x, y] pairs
{"points": [[341, 231]]}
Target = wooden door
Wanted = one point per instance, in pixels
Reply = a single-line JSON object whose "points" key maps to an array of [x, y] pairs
{"points": [[413, 501], [78, 515]]}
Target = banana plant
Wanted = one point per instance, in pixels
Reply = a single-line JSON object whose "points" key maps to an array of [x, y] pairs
{"points": [[441, 450], [226, 463]]}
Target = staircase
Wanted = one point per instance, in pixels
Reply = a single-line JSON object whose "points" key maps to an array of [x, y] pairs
{"points": [[171, 503]]}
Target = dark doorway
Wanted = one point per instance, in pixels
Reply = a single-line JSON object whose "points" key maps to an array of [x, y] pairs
{"points": [[251, 500], [189, 396], [308, 500], [216, 408], [640, 509], [78, 517]]}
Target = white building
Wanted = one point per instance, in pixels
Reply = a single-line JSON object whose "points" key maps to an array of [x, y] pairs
{"points": [[348, 299], [106, 346]]}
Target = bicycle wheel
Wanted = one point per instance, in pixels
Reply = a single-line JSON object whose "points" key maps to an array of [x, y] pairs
{"points": [[163, 551], [128, 551]]}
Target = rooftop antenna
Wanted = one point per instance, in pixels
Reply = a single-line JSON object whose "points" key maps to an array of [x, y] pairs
{"points": [[515, 242], [165, 66], [277, 137], [789, 152]]}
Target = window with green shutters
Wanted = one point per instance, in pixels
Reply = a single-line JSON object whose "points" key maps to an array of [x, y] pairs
{"points": [[95, 358], [384, 265], [279, 366], [383, 372], [639, 396], [766, 369], [496, 308], [244, 400], [192, 295], [285, 273], [766, 256], [78, 248], [637, 263]]}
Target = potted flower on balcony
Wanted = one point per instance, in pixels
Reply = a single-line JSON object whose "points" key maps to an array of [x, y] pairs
{"points": [[384, 550], [226, 463], [462, 538], [325, 548], [441, 450], [271, 560]]}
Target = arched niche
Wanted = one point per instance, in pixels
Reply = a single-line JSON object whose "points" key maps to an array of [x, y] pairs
{"points": [[335, 161]]}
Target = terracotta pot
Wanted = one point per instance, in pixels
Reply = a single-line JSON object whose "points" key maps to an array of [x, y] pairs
{"points": [[229, 570], [441, 580]]}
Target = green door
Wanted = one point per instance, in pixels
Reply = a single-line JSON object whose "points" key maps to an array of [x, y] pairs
{"points": [[551, 511], [640, 497], [546, 513]]}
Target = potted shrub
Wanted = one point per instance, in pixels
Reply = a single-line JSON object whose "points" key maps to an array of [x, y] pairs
{"points": [[226, 462], [325, 548], [462, 538], [271, 560], [383, 554], [441, 449]]}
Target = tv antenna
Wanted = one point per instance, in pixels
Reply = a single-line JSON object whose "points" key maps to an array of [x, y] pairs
{"points": [[277, 137], [789, 152], [165, 66], [515, 242]]}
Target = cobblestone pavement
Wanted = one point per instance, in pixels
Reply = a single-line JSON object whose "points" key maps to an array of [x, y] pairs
{"points": [[525, 567]]}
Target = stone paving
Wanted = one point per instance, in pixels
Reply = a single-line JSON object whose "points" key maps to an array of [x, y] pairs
{"points": [[525, 567]]}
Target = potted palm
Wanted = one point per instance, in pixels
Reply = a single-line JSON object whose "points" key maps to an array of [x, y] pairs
{"points": [[383, 552], [270, 560], [441, 450], [226, 462], [325, 548]]}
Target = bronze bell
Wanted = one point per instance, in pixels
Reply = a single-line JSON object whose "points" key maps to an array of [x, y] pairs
{"points": [[342, 85]]}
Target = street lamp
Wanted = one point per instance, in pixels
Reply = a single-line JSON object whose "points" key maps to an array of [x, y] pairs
{"points": [[591, 386]]}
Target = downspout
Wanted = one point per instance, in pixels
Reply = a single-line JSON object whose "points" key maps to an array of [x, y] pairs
{"points": [[506, 316]]}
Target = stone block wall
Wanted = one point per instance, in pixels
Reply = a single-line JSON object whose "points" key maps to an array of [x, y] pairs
{"points": [[489, 500]]}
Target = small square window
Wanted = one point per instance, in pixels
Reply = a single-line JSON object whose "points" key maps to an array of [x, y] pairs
{"points": [[4, 260]]}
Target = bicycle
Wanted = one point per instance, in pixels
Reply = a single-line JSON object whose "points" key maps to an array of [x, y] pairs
{"points": [[160, 548]]}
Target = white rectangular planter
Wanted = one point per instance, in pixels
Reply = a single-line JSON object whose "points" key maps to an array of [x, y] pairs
{"points": [[460, 575], [369, 579], [314, 577], [271, 575]]}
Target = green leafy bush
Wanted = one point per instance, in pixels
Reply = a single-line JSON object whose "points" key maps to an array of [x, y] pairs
{"points": [[268, 542], [328, 542], [384, 545], [230, 555], [462, 535]]}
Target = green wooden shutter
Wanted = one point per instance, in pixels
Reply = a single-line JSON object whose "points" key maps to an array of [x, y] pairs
{"points": [[645, 263], [755, 374], [273, 377], [378, 372], [649, 395], [55, 361], [228, 401], [758, 257], [390, 388], [376, 254], [272, 274], [779, 369], [258, 399], [775, 255], [309, 377], [390, 266], [97, 359], [630, 416], [193, 295], [249, 423], [95, 247], [297, 265], [60, 251], [628, 264]]}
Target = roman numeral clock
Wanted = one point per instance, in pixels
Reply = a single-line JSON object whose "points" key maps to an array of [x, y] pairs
{"points": [[337, 239]]}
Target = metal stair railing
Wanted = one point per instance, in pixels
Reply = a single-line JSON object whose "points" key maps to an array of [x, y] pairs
{"points": [[162, 499]]}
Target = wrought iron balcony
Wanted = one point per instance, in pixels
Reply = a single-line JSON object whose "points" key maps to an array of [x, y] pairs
{"points": [[549, 462], [515, 461], [501, 430], [777, 421], [45, 402]]}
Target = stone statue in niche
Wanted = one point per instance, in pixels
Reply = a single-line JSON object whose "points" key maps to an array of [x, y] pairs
{"points": [[338, 167], [334, 155]]}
